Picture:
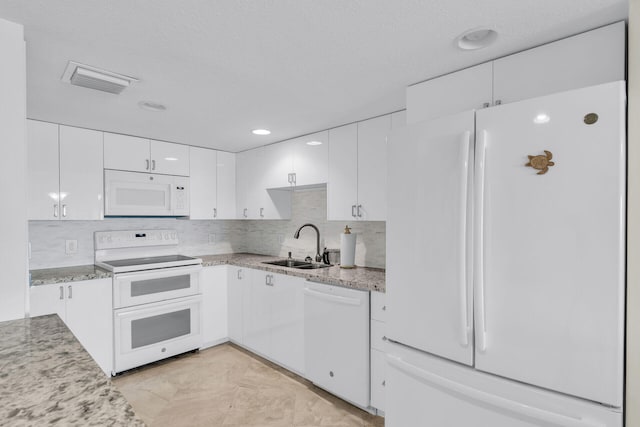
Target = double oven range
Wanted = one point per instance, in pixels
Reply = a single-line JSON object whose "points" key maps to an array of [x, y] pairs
{"points": [[157, 302]]}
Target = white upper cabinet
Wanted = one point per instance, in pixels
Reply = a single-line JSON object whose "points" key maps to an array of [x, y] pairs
{"points": [[310, 159], [43, 170], [225, 185], [398, 119], [342, 187], [81, 177], [203, 183], [131, 153], [587, 59], [357, 188], [468, 89], [127, 153], [301, 161], [65, 172], [169, 158], [254, 201], [213, 184], [372, 168]]}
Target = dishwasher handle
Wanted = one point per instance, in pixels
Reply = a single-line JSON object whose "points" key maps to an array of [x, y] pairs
{"points": [[332, 298]]}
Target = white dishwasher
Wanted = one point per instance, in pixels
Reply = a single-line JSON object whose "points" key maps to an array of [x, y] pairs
{"points": [[336, 323]]}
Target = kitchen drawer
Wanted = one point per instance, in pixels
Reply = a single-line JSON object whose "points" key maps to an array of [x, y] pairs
{"points": [[378, 306], [378, 335], [378, 382]]}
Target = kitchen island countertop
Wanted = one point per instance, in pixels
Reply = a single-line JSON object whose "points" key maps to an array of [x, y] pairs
{"points": [[47, 378]]}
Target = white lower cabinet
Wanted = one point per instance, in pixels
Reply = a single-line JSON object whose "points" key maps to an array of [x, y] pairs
{"points": [[336, 326], [378, 350], [238, 280], [273, 318], [86, 308], [214, 305]]}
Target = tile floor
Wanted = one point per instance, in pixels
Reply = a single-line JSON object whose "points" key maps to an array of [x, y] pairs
{"points": [[228, 386]]}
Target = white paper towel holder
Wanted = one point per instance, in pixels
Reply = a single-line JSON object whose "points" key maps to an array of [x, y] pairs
{"points": [[347, 250]]}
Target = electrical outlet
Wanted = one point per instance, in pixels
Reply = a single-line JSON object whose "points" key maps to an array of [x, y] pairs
{"points": [[212, 238], [71, 247]]}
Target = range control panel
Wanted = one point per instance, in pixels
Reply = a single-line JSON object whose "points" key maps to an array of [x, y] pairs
{"points": [[134, 238]]}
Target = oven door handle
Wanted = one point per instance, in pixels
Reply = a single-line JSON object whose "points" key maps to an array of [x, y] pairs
{"points": [[162, 272], [153, 306]]}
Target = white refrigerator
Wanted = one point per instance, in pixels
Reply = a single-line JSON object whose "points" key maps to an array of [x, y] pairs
{"points": [[505, 265]]}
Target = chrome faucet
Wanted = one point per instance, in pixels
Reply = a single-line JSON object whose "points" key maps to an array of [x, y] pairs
{"points": [[297, 236]]}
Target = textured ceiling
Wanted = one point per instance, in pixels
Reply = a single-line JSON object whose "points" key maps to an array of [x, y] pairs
{"points": [[225, 67]]}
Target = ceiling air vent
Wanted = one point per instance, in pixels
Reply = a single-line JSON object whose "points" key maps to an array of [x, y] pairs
{"points": [[94, 78]]}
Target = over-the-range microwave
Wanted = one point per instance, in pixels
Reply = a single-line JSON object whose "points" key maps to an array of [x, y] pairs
{"points": [[145, 194]]}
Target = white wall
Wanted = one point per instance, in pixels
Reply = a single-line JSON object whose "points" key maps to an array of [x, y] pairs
{"points": [[13, 172]]}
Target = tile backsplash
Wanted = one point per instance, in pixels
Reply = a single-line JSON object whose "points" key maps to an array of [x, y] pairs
{"points": [[199, 237]]}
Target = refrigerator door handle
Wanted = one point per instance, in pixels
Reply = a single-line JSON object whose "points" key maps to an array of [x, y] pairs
{"points": [[479, 248], [488, 398], [464, 319]]}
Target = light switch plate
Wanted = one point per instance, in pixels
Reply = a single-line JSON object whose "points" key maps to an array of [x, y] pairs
{"points": [[71, 247]]}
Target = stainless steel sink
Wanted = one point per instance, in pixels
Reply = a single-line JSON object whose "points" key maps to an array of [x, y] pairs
{"points": [[303, 265]]}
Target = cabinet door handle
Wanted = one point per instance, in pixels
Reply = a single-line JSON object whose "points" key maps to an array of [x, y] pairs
{"points": [[289, 178], [385, 339], [244, 212], [55, 210], [384, 308], [498, 102], [61, 292], [239, 274], [215, 212], [147, 164], [64, 210], [70, 292], [153, 165], [359, 211], [261, 212], [353, 211], [293, 175]]}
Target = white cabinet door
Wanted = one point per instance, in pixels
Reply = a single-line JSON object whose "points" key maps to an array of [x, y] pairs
{"points": [[431, 285], [214, 305], [565, 327], [342, 183], [225, 185], [43, 170], [463, 90], [310, 159], [90, 318], [278, 165], [81, 174], [239, 280], [243, 171], [128, 153], [588, 59], [203, 183], [372, 168], [287, 321], [250, 170], [257, 313], [47, 299], [169, 158], [378, 381]]}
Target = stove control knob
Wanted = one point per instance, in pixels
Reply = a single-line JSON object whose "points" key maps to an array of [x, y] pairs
{"points": [[174, 235], [166, 236]]}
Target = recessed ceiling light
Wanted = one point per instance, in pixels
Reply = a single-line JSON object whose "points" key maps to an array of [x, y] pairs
{"points": [[541, 118], [171, 159], [476, 38], [261, 131], [151, 106], [314, 143]]}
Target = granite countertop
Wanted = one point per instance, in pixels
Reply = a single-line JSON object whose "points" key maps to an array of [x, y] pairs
{"points": [[47, 276], [365, 278], [47, 378]]}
